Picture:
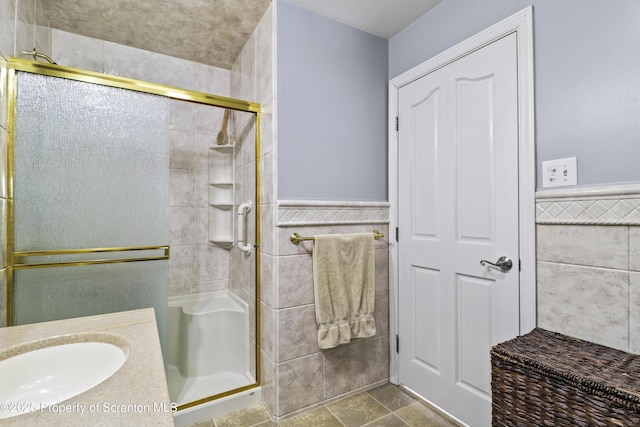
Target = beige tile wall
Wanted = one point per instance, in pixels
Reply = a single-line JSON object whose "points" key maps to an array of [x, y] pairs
{"points": [[297, 374], [7, 27], [252, 79], [3, 195], [589, 270], [18, 32], [18, 29]]}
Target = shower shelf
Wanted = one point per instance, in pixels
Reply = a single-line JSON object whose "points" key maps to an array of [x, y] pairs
{"points": [[221, 195], [221, 219], [222, 243], [224, 148], [223, 206]]}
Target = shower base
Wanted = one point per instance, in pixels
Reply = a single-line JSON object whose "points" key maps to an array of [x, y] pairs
{"points": [[218, 407], [189, 389], [208, 345]]}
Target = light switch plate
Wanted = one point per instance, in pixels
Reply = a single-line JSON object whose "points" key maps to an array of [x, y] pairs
{"points": [[560, 172]]}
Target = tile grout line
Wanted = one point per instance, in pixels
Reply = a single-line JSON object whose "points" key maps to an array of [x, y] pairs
{"points": [[342, 423], [334, 415], [391, 412], [383, 405], [386, 415]]}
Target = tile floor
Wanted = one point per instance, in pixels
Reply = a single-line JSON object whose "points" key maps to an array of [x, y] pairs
{"points": [[384, 406]]}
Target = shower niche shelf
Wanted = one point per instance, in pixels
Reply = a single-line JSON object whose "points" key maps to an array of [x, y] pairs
{"points": [[226, 148], [221, 226], [221, 195]]}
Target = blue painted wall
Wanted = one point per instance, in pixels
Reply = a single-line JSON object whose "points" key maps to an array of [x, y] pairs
{"points": [[587, 75], [332, 109]]}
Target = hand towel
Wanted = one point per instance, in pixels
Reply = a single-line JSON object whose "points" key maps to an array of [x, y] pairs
{"points": [[344, 287]]}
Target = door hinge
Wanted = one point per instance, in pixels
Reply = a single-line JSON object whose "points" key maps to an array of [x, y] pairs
{"points": [[397, 234], [519, 265], [397, 343], [397, 125]]}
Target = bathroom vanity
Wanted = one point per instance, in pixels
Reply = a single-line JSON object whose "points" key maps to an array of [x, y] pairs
{"points": [[133, 393]]}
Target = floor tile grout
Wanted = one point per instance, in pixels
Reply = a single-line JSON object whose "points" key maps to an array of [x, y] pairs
{"points": [[393, 394], [334, 415]]}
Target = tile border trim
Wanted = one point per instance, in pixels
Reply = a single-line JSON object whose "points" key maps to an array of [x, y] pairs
{"points": [[606, 205], [298, 213]]}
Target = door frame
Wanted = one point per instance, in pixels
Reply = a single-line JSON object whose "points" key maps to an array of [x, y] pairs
{"points": [[520, 23]]}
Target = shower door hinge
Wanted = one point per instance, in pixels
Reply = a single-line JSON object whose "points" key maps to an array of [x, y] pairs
{"points": [[397, 124], [397, 234], [397, 343]]}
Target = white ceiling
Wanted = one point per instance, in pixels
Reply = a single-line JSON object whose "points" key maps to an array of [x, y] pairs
{"points": [[384, 18]]}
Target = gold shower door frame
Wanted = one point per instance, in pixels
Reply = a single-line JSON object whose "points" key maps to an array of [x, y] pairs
{"points": [[54, 70]]}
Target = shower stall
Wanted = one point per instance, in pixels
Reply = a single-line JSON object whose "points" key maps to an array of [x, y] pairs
{"points": [[125, 194]]}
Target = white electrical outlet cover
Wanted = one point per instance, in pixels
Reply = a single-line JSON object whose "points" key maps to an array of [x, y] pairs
{"points": [[560, 172]]}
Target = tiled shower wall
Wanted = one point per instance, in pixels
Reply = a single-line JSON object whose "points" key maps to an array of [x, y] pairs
{"points": [[18, 33], [3, 195], [253, 79], [588, 256]]}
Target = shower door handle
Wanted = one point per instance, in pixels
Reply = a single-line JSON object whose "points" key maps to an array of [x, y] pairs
{"points": [[243, 209]]}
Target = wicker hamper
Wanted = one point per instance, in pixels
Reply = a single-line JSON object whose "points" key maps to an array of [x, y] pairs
{"points": [[547, 379]]}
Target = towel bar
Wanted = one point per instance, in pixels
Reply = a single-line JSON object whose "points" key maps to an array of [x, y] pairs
{"points": [[297, 238]]}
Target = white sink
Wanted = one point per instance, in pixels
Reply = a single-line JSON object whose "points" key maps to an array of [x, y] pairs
{"points": [[35, 380]]}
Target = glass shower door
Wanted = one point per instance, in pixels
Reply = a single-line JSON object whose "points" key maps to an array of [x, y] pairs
{"points": [[90, 200]]}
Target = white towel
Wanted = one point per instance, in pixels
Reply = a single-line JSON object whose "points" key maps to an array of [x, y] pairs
{"points": [[344, 286]]}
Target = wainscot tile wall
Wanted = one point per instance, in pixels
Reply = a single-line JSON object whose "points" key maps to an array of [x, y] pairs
{"points": [[297, 375], [588, 255]]}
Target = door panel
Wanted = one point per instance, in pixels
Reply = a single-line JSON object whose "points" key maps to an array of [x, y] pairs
{"points": [[458, 204], [426, 217], [427, 313], [475, 152], [475, 331]]}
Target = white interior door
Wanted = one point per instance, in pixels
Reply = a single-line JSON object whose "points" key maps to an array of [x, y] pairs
{"points": [[458, 205]]}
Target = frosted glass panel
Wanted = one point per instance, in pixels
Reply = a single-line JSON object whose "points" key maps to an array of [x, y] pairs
{"points": [[44, 294], [91, 166], [90, 171]]}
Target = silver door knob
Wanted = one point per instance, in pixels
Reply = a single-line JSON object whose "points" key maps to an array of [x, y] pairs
{"points": [[504, 263]]}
